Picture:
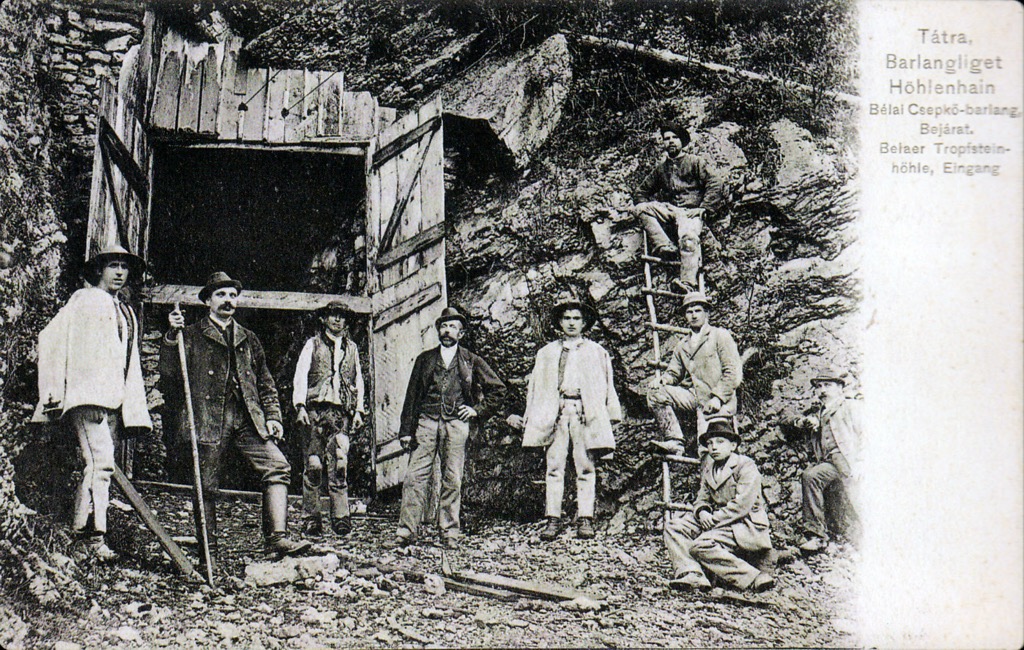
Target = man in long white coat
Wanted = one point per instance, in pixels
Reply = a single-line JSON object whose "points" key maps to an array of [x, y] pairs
{"points": [[571, 399], [90, 379]]}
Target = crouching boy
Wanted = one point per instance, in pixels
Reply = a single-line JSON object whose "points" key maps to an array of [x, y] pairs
{"points": [[728, 518], [328, 399]]}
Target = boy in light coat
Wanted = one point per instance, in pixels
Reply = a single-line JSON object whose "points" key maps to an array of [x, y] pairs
{"points": [[729, 516], [571, 399]]}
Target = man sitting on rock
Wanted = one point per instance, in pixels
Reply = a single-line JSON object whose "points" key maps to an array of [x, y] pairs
{"points": [[702, 376], [729, 516], [836, 446], [681, 190]]}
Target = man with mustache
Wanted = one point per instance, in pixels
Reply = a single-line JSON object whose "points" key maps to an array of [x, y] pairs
{"points": [[836, 445], [235, 402], [449, 387], [681, 190], [90, 378]]}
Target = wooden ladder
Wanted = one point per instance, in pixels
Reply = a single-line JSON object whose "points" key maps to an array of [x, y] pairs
{"points": [[656, 328]]}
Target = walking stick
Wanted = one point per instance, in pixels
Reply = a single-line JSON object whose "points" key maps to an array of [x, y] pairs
{"points": [[197, 481]]}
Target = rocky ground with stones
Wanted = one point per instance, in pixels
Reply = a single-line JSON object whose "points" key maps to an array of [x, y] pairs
{"points": [[352, 593]]}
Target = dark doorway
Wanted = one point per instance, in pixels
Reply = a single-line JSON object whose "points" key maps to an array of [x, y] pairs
{"points": [[276, 221]]}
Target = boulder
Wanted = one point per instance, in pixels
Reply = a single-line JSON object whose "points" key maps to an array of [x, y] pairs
{"points": [[519, 98]]}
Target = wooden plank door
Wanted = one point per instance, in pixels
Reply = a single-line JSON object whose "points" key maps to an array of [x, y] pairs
{"points": [[405, 255], [121, 178]]}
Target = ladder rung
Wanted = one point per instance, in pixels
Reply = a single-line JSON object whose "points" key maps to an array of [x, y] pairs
{"points": [[661, 292], [681, 459], [676, 507], [669, 328], [658, 260]]}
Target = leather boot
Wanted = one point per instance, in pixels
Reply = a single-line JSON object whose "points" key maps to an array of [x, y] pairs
{"points": [[552, 530], [668, 424], [275, 523]]}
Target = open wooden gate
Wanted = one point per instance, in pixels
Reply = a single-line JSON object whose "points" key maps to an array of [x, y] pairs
{"points": [[405, 251], [121, 178]]}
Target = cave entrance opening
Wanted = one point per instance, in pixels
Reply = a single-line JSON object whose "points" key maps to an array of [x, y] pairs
{"points": [[304, 191]]}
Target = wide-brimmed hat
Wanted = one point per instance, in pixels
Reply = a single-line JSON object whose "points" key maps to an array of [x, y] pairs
{"points": [[451, 313], [696, 298], [589, 313], [216, 281], [826, 379], [334, 307], [721, 428], [116, 251]]}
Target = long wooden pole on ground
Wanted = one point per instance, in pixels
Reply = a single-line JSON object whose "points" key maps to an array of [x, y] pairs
{"points": [[197, 482], [149, 518]]}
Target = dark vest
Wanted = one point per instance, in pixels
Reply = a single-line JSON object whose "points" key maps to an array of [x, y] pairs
{"points": [[321, 369], [444, 392]]}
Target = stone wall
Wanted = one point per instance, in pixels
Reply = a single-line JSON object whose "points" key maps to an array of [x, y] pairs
{"points": [[88, 42]]}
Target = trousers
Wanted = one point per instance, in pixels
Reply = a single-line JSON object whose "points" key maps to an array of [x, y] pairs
{"points": [[690, 550], [569, 430], [656, 215], [816, 481], [446, 439], [327, 448], [96, 429]]}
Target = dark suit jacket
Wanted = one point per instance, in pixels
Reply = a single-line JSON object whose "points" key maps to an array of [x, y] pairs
{"points": [[206, 353], [482, 386]]}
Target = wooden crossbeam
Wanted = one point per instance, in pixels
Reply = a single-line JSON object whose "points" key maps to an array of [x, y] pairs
{"points": [[409, 247], [116, 151], [404, 141], [169, 294], [413, 304]]}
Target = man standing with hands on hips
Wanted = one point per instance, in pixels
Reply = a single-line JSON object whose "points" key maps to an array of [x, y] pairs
{"points": [[235, 402], [449, 387]]}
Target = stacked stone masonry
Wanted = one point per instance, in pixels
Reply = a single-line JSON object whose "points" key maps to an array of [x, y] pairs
{"points": [[88, 42]]}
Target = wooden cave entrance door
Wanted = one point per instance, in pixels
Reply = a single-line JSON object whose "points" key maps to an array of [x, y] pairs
{"points": [[406, 278]]}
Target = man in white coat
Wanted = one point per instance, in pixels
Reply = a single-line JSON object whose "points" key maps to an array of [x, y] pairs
{"points": [[571, 399], [90, 379]]}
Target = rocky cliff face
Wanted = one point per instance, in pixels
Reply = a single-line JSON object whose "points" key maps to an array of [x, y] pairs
{"points": [[536, 196]]}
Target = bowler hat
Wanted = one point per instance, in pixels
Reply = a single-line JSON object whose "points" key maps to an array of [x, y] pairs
{"points": [[720, 428], [216, 281], [334, 307], [116, 251], [450, 313], [825, 379], [589, 313], [696, 298]]}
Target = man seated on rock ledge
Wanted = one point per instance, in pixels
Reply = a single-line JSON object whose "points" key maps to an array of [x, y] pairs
{"points": [[729, 517], [836, 428], [682, 190]]}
